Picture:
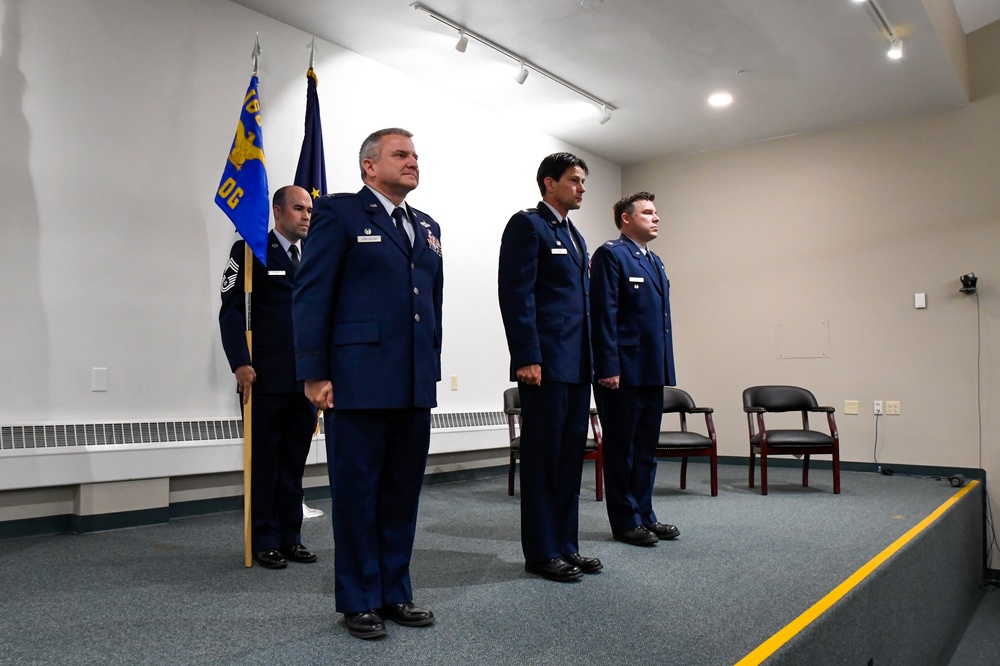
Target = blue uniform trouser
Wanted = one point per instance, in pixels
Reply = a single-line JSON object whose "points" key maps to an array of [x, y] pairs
{"points": [[553, 439], [282, 428], [376, 460], [630, 421]]}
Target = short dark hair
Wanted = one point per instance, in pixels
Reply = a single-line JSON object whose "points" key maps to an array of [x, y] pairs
{"points": [[279, 196], [555, 165], [626, 205], [370, 146]]}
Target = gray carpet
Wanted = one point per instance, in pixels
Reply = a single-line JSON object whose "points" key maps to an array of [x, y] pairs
{"points": [[744, 566]]}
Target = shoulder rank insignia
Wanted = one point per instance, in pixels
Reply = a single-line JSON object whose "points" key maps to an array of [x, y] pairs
{"points": [[425, 225], [229, 275]]}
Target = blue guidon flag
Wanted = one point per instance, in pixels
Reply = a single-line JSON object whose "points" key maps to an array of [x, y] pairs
{"points": [[242, 193], [310, 174]]}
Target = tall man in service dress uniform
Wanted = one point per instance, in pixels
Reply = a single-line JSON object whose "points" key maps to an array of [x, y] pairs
{"points": [[543, 282], [633, 360], [368, 345], [283, 419]]}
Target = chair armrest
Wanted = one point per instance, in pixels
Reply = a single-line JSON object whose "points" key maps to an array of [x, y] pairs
{"points": [[823, 409], [701, 410], [754, 410], [513, 412]]}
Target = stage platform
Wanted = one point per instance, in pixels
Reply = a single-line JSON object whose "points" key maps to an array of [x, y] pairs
{"points": [[887, 572]]}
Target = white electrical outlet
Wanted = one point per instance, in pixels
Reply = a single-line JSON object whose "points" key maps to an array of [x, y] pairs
{"points": [[893, 408], [878, 407], [454, 382]]}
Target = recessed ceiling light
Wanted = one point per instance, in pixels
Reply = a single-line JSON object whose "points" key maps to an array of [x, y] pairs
{"points": [[720, 99]]}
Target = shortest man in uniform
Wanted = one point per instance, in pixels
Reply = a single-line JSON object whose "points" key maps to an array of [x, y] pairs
{"points": [[633, 360], [283, 418]]}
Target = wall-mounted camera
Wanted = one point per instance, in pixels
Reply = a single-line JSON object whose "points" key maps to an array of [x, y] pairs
{"points": [[968, 283]]}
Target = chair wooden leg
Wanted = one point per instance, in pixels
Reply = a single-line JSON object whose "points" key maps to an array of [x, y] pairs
{"points": [[684, 473], [805, 470], [763, 473], [715, 475], [510, 476], [599, 477], [836, 472], [752, 463]]}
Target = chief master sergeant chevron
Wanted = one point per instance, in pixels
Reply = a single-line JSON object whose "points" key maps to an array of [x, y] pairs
{"points": [[367, 316]]}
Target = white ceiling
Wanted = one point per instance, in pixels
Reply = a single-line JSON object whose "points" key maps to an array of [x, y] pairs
{"points": [[793, 66]]}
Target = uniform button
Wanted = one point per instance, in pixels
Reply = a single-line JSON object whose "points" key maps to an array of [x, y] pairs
{"points": [[412, 267], [416, 317], [416, 290]]}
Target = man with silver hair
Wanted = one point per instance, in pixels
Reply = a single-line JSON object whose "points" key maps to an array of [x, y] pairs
{"points": [[367, 315]]}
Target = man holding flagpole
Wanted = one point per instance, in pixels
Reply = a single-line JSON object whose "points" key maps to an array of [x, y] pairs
{"points": [[283, 419]]}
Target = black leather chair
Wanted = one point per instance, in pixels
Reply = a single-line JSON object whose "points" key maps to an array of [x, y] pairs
{"points": [[594, 450], [759, 400], [684, 443]]}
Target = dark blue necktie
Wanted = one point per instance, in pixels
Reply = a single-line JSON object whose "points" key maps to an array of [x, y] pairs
{"points": [[398, 216], [293, 253]]}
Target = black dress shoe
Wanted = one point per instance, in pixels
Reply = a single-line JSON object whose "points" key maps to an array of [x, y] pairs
{"points": [[366, 624], [270, 559], [637, 536], [663, 531], [587, 565], [407, 614], [556, 569], [298, 553]]}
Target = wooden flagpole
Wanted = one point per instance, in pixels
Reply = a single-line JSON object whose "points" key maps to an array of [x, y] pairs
{"points": [[247, 409], [248, 405]]}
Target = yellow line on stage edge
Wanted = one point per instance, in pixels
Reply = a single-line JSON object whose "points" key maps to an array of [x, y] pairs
{"points": [[771, 645]]}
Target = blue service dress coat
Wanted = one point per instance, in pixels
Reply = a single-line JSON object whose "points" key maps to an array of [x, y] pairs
{"points": [[284, 420], [630, 308], [543, 287], [367, 311], [630, 300]]}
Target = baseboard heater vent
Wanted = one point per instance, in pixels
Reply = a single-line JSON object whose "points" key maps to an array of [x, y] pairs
{"points": [[16, 437]]}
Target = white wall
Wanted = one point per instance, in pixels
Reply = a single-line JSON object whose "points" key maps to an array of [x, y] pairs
{"points": [[845, 226], [117, 120]]}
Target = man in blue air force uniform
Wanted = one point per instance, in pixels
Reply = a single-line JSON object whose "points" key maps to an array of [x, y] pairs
{"points": [[633, 360], [542, 284], [283, 419], [367, 313]]}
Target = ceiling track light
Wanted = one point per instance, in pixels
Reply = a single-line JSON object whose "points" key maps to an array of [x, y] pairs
{"points": [[895, 48], [465, 35], [882, 23], [605, 115], [522, 75]]}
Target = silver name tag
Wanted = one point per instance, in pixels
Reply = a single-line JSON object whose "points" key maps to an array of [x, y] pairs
{"points": [[559, 250], [636, 279], [369, 239], [276, 272]]}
